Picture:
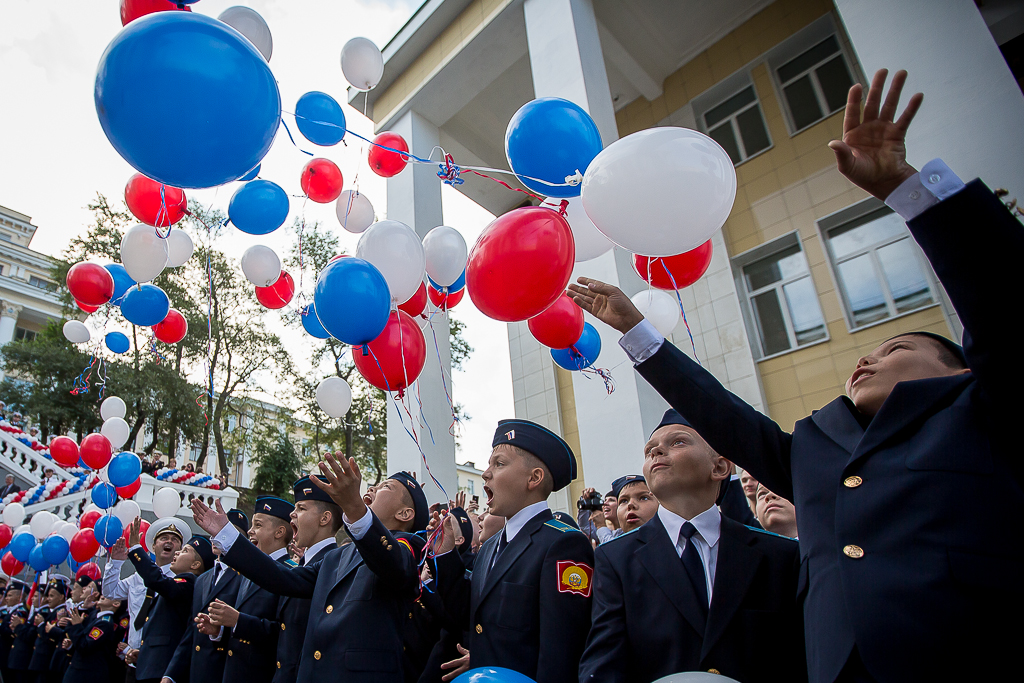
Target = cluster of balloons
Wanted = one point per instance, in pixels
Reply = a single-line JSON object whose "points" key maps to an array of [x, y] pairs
{"points": [[43, 542]]}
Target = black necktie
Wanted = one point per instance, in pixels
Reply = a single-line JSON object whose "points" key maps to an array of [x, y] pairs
{"points": [[140, 618], [502, 544], [216, 573], [695, 567]]}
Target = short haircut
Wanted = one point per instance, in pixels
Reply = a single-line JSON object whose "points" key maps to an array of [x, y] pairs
{"points": [[323, 506], [548, 485], [946, 357]]}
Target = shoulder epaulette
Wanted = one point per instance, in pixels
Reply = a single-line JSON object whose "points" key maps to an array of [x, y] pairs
{"points": [[560, 526], [291, 563], [770, 533], [622, 535], [107, 617]]}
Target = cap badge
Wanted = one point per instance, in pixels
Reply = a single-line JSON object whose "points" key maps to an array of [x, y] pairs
{"points": [[307, 491], [510, 435], [266, 506]]}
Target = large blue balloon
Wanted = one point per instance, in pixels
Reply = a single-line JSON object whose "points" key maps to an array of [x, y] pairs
{"points": [[37, 559], [251, 174], [55, 549], [122, 282], [492, 674], [583, 353], [352, 300], [550, 139], [21, 545], [311, 323], [258, 207], [108, 529], [320, 119], [124, 469], [117, 342], [453, 287], [104, 495], [187, 100], [145, 305]]}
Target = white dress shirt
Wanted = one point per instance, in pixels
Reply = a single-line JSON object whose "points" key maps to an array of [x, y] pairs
{"points": [[517, 521], [709, 530], [312, 550], [133, 589]]}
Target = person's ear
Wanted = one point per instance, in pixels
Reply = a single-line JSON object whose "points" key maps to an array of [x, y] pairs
{"points": [[406, 514], [721, 468], [536, 479], [326, 518]]}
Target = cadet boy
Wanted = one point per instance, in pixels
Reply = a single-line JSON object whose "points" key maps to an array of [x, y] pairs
{"points": [[47, 638], [635, 504], [527, 602], [94, 643]]}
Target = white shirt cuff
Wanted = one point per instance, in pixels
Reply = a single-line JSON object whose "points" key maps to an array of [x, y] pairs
{"points": [[920, 192], [641, 342], [226, 537], [220, 632], [358, 528]]}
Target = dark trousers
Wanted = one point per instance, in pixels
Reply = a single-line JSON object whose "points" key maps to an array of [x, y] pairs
{"points": [[854, 670]]}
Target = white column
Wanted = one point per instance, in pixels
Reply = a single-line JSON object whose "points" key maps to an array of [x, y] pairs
{"points": [[8, 321], [972, 108], [414, 198]]}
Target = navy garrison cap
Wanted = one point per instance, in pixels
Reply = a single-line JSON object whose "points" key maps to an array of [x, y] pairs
{"points": [[305, 489], [672, 417], [239, 519], [466, 527], [203, 548], [419, 500], [274, 506], [623, 482], [552, 450], [950, 345]]}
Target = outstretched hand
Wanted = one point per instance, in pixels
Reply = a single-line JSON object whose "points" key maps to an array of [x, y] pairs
{"points": [[341, 479], [119, 552], [459, 665], [134, 532], [607, 303], [873, 151], [450, 536], [209, 520]]}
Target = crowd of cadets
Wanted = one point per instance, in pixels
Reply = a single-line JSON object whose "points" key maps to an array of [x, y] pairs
{"points": [[905, 490]]}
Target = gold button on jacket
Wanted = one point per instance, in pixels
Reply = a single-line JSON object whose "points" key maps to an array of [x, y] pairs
{"points": [[316, 655], [479, 628], [852, 482], [330, 608], [854, 551]]}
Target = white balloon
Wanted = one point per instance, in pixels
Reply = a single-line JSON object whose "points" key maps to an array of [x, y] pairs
{"points": [[179, 248], [90, 507], [660, 308], [590, 243], [14, 514], [261, 265], [396, 251], [362, 63], [695, 677], [251, 25], [166, 502], [143, 253], [76, 332], [112, 407], [334, 396], [660, 191], [23, 529], [446, 252], [355, 212], [41, 524], [67, 530], [127, 511], [116, 430]]}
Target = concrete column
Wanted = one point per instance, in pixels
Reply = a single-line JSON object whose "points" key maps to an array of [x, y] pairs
{"points": [[414, 198], [8, 321]]}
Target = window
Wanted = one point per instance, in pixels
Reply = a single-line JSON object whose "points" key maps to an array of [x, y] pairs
{"points": [[5, 237], [737, 124], [193, 454], [42, 284], [815, 83], [782, 303], [878, 267], [20, 333]]}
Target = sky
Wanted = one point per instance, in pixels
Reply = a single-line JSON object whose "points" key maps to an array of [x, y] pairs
{"points": [[54, 157]]}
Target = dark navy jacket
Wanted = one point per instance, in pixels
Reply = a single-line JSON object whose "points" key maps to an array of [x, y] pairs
{"points": [[168, 618], [293, 614], [24, 644], [252, 649], [909, 529], [94, 643], [198, 659]]}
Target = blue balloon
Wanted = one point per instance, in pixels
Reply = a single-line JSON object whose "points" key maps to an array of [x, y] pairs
{"points": [[320, 118], [311, 323], [453, 287], [108, 529], [55, 549], [251, 174], [21, 546], [117, 342], [122, 282], [583, 353], [352, 301], [550, 139], [258, 207], [145, 305], [104, 495], [124, 469], [234, 105], [493, 674], [37, 559]]}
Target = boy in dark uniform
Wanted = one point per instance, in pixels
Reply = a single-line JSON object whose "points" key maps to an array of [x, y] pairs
{"points": [[94, 643], [13, 596], [48, 635], [527, 602], [25, 633]]}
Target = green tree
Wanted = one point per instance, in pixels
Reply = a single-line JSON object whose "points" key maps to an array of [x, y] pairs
{"points": [[278, 464]]}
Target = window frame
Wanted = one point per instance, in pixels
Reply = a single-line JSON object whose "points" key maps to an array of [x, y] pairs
{"points": [[720, 93]]}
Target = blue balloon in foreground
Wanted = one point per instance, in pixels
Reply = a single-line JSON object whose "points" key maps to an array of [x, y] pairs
{"points": [[311, 323], [583, 353], [117, 342], [108, 529], [320, 118], [124, 468], [21, 545], [352, 301], [122, 282], [258, 207], [145, 305], [37, 559], [55, 549], [186, 100], [251, 174], [104, 496], [493, 674], [550, 139], [453, 287]]}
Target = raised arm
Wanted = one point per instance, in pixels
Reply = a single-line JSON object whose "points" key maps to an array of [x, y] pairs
{"points": [[176, 588]]}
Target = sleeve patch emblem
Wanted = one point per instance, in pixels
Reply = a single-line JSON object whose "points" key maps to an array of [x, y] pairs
{"points": [[124, 622], [407, 545], [96, 633], [177, 580], [574, 577]]}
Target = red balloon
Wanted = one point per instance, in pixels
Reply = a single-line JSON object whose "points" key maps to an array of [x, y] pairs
{"points": [[142, 195], [89, 519], [84, 545], [396, 357], [90, 283], [321, 180], [384, 162], [445, 301], [133, 9], [674, 272], [278, 294], [560, 326], [172, 329], [86, 307], [143, 528], [416, 303], [10, 564], [90, 569], [6, 534], [130, 490], [95, 451], [64, 451], [520, 264]]}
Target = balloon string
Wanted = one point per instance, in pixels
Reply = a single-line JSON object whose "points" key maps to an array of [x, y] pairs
{"points": [[444, 379], [81, 383], [681, 309], [287, 130]]}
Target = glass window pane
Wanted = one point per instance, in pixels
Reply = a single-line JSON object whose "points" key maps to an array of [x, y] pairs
{"points": [[724, 136], [783, 265], [803, 103], [730, 106], [907, 282], [770, 323], [753, 131], [804, 311], [835, 81], [864, 232], [863, 291], [803, 62]]}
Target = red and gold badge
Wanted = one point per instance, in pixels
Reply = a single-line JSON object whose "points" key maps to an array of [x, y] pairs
{"points": [[96, 633], [574, 577]]}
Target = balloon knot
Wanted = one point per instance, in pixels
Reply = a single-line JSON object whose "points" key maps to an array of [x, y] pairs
{"points": [[366, 349], [574, 179], [562, 207]]}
